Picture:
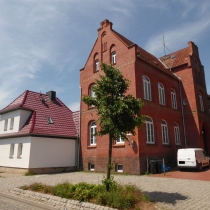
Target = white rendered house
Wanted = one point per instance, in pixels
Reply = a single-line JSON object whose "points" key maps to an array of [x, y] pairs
{"points": [[38, 133]]}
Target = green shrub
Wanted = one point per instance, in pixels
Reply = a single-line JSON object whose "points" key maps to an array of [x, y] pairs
{"points": [[29, 173], [119, 196]]}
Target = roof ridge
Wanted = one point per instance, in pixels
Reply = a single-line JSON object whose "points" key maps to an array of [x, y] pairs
{"points": [[24, 99], [33, 122]]}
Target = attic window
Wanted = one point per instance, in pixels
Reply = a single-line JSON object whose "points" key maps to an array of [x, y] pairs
{"points": [[49, 120], [173, 56]]}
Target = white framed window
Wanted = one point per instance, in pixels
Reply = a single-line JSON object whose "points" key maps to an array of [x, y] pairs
{"points": [[92, 93], [161, 93], [150, 131], [91, 167], [20, 150], [114, 57], [119, 168], [12, 149], [176, 134], [11, 123], [147, 88], [49, 120], [201, 102], [173, 99], [97, 65], [164, 129], [120, 140], [5, 124], [92, 133]]}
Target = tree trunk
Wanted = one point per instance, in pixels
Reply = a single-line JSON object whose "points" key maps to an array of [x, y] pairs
{"points": [[109, 164]]}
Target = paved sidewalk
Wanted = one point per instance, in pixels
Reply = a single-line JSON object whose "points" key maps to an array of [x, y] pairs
{"points": [[169, 194]]}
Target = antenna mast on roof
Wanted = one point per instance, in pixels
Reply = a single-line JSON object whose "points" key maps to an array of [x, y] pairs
{"points": [[164, 45]]}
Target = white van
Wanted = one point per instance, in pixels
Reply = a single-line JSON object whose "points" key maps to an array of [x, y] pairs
{"points": [[192, 158]]}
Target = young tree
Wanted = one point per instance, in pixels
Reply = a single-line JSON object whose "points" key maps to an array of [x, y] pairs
{"points": [[118, 113]]}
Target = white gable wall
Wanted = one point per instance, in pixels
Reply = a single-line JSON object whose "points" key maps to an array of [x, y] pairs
{"points": [[20, 117], [6, 160], [52, 152]]}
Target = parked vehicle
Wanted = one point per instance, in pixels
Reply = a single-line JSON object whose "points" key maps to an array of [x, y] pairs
{"points": [[192, 158]]}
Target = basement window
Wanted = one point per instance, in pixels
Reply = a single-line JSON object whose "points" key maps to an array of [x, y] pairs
{"points": [[91, 167], [119, 168], [49, 120]]}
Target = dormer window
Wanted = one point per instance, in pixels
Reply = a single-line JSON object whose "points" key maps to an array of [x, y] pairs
{"points": [[49, 120], [11, 123], [5, 124]]}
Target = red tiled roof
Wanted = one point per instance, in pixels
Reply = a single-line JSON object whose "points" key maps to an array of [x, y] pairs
{"points": [[176, 58], [62, 117], [149, 57], [76, 117]]}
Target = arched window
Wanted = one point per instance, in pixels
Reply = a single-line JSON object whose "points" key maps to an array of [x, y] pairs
{"points": [[201, 102], [173, 99], [92, 93], [147, 88], [92, 133], [164, 129], [176, 133], [161, 92], [96, 65], [150, 131], [113, 57]]}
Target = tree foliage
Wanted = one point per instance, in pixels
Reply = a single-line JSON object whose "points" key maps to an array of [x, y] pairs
{"points": [[119, 113]]}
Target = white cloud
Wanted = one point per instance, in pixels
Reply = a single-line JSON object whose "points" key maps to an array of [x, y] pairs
{"points": [[178, 36], [75, 106]]}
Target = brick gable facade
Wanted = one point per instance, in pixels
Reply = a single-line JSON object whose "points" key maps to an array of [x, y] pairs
{"points": [[174, 73]]}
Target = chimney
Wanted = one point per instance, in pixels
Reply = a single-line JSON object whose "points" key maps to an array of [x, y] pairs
{"points": [[51, 94]]}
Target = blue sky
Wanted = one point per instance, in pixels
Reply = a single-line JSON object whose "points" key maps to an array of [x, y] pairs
{"points": [[44, 43]]}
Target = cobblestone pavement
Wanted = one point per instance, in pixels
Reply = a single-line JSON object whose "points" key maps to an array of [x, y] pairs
{"points": [[169, 194], [11, 203]]}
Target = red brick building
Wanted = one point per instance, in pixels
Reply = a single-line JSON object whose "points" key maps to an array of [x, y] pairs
{"points": [[175, 100]]}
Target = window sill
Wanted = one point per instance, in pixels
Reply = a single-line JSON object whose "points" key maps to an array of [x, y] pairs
{"points": [[119, 145], [91, 146]]}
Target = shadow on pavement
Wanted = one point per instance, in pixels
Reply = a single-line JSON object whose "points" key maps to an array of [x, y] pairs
{"points": [[165, 197]]}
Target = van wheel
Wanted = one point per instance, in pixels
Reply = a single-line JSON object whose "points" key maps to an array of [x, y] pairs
{"points": [[199, 167]]}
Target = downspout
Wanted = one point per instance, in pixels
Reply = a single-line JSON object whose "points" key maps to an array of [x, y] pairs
{"points": [[79, 133], [183, 121]]}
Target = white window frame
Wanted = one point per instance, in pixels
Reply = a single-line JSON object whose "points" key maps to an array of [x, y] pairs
{"points": [[114, 57], [120, 140], [161, 93], [20, 150], [92, 133], [164, 129], [150, 138], [119, 168], [97, 65], [173, 99], [147, 88], [201, 102], [5, 124], [12, 149], [177, 134], [11, 123]]}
